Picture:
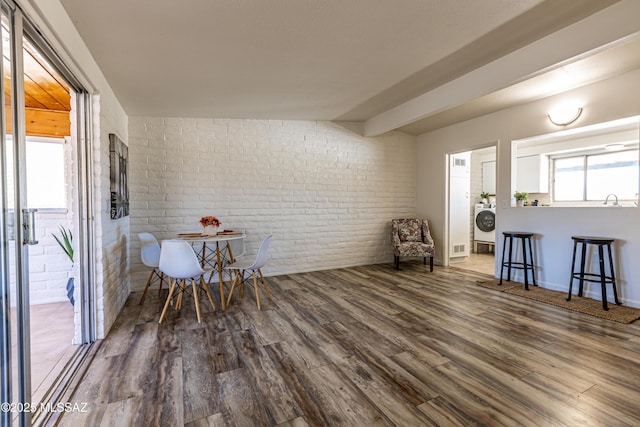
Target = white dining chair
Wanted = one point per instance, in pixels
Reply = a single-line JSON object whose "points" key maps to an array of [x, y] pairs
{"points": [[150, 256], [243, 267], [179, 262]]}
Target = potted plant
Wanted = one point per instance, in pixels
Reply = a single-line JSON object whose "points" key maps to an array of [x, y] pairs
{"points": [[520, 197], [65, 240], [485, 197]]}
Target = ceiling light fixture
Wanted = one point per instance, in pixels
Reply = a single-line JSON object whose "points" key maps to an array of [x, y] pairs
{"points": [[616, 146], [565, 114]]}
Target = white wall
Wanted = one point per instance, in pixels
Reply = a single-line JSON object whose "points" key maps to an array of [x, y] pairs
{"points": [[325, 192], [554, 226]]}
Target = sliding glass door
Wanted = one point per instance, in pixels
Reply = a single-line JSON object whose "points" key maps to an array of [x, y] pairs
{"points": [[46, 298]]}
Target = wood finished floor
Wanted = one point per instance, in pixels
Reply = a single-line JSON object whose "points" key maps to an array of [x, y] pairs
{"points": [[482, 263], [52, 331], [360, 347]]}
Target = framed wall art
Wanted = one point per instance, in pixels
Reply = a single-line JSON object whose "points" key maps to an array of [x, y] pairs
{"points": [[119, 162]]}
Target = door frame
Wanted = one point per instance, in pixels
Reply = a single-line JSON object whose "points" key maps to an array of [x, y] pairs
{"points": [[447, 204]]}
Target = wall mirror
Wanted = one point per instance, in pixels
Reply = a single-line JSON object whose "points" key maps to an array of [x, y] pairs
{"points": [[591, 166]]}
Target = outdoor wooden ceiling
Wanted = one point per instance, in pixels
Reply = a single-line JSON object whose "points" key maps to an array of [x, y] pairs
{"points": [[46, 96]]}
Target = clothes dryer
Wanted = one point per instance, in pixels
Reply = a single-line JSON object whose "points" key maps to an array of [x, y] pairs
{"points": [[484, 223]]}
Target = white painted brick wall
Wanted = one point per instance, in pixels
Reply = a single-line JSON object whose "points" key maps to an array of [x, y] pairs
{"points": [[327, 193], [112, 236]]}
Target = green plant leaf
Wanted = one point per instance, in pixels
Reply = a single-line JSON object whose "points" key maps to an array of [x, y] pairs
{"points": [[65, 241]]}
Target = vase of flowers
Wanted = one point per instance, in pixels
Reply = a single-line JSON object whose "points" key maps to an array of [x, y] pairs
{"points": [[210, 224]]}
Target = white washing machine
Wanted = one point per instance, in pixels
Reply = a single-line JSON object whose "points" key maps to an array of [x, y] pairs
{"points": [[484, 223]]}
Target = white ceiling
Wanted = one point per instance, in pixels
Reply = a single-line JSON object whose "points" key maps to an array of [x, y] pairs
{"points": [[311, 59]]}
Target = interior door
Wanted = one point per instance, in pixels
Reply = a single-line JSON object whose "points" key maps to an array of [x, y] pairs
{"points": [[16, 231], [459, 188]]}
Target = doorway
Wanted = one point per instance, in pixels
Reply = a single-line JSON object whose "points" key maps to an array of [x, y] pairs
{"points": [[471, 206], [46, 296]]}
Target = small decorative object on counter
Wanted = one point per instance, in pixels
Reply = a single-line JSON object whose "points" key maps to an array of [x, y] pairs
{"points": [[485, 197], [210, 224], [520, 197]]}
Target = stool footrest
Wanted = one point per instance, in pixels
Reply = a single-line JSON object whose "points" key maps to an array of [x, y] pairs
{"points": [[592, 277], [518, 265]]}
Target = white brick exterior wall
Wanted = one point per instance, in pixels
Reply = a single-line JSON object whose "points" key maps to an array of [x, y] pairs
{"points": [[49, 267], [325, 192]]}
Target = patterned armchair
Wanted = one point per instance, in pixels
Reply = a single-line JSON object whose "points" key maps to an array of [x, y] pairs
{"points": [[411, 237]]}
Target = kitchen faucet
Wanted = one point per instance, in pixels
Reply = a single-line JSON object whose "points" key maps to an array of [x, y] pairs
{"points": [[607, 199]]}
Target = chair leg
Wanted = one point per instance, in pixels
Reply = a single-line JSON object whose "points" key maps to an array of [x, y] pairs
{"points": [[431, 264], [396, 259], [241, 285], [195, 299], [255, 286], [183, 286], [204, 285], [233, 286], [166, 304], [264, 284], [144, 294]]}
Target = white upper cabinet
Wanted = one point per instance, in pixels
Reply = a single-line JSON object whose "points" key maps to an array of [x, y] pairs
{"points": [[533, 174], [489, 177]]}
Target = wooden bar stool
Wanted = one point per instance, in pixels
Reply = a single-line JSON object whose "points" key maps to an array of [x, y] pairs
{"points": [[601, 277], [526, 264]]}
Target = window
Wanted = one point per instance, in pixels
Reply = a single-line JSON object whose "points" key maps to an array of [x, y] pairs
{"points": [[594, 176], [45, 173], [569, 179]]}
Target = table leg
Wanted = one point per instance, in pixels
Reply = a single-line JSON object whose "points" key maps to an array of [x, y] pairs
{"points": [[222, 304], [231, 260]]}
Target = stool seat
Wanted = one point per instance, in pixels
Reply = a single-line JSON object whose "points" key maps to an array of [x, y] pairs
{"points": [[600, 277], [518, 234], [526, 265], [593, 240]]}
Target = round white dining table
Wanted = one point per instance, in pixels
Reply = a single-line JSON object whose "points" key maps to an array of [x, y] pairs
{"points": [[216, 252]]}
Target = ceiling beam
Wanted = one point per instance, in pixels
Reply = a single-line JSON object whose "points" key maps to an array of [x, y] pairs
{"points": [[594, 33]]}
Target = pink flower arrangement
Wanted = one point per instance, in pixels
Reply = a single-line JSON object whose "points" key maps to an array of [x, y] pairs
{"points": [[210, 220]]}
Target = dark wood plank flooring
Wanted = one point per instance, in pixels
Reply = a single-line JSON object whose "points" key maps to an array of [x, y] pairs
{"points": [[364, 346]]}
